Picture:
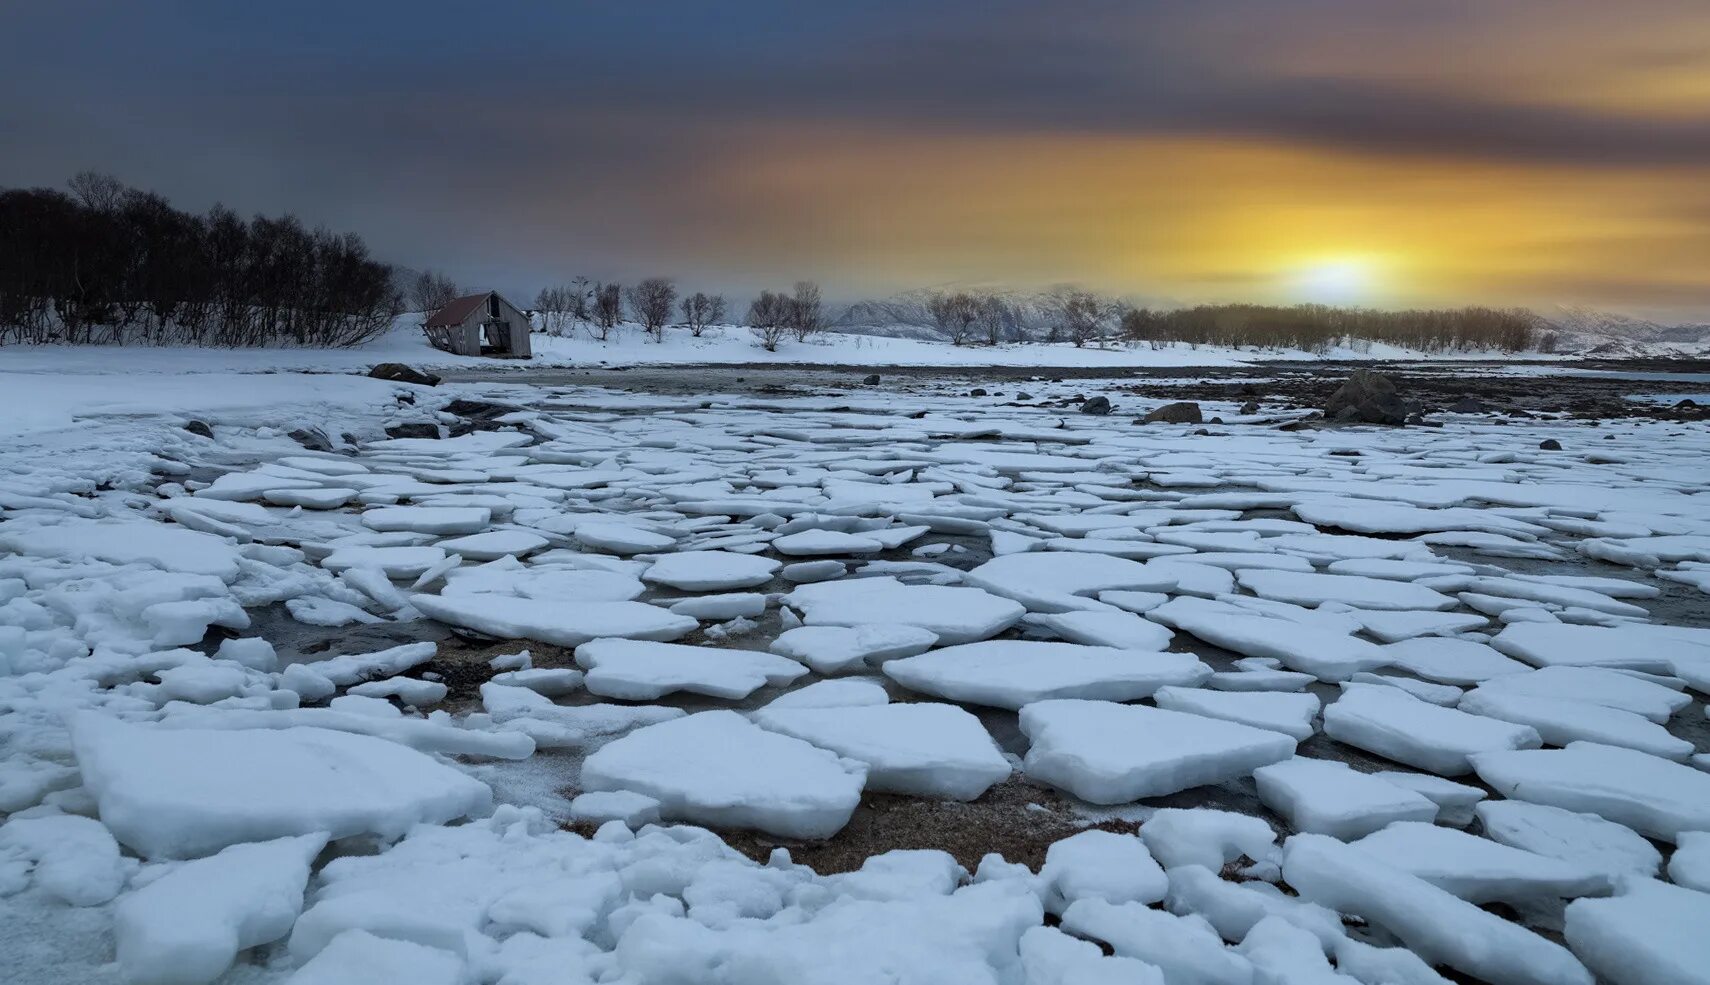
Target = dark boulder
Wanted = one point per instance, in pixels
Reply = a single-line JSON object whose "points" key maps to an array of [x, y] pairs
{"points": [[314, 439], [1468, 405], [1097, 405], [1180, 412], [200, 428], [1024, 396], [399, 373], [419, 429], [977, 392], [1250, 407], [1366, 398], [872, 379], [479, 408], [1550, 444]]}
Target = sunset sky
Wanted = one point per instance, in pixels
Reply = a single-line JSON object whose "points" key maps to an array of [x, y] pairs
{"points": [[1361, 151]]}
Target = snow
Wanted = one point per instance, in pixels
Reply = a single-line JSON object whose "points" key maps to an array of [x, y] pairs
{"points": [[1649, 934], [182, 793], [1598, 686], [1432, 922], [1122, 630], [1205, 837], [1330, 798], [187, 926], [1653, 796], [69, 858], [1479, 870], [1109, 753], [1186, 949], [357, 957], [1391, 723], [1364, 593], [124, 542], [639, 670], [1451, 661], [716, 767], [1324, 653], [1014, 673], [1559, 722], [922, 749]]}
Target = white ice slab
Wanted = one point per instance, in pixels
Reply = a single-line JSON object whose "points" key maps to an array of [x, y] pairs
{"points": [[1611, 848], [1290, 714], [643, 670], [1012, 673], [840, 649], [1479, 870], [1649, 934], [1391, 723], [1330, 798], [954, 614], [919, 748], [1652, 796], [570, 624], [711, 571]]}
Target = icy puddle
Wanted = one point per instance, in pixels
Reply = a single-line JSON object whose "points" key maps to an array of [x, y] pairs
{"points": [[900, 686]]}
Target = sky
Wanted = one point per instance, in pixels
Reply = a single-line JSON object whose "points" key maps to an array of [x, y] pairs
{"points": [[1376, 152]]}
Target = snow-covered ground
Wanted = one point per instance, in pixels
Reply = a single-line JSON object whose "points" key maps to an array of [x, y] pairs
{"points": [[630, 346], [1326, 694]]}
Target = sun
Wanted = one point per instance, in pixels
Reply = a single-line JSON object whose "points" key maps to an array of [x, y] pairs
{"points": [[1342, 280]]}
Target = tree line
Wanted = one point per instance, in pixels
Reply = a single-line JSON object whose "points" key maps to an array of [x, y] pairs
{"points": [[106, 263], [1318, 328], [654, 303]]}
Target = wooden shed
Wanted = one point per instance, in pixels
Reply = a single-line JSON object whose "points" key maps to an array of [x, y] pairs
{"points": [[482, 324]]}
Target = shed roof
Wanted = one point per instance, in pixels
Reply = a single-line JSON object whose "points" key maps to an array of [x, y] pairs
{"points": [[457, 311]]}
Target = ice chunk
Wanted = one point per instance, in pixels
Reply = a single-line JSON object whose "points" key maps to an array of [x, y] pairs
{"points": [[1439, 927], [711, 571], [1101, 865], [393, 562], [1202, 836], [1549, 644], [1324, 653], [621, 538], [921, 748], [494, 544], [1109, 753], [640, 670], [1560, 722], [1596, 685], [718, 768], [186, 927], [1326, 797], [1290, 714], [1451, 661], [76, 860], [1354, 590], [811, 543], [357, 957], [722, 606], [837, 649], [1405, 624], [1186, 949], [441, 521], [844, 693], [633, 809], [178, 793], [569, 624], [1051, 957], [1391, 723], [1012, 673], [158, 545], [954, 614], [1455, 801], [1650, 934], [1479, 870], [1288, 955], [1613, 849], [1690, 865], [1060, 581], [1123, 630], [1654, 797]]}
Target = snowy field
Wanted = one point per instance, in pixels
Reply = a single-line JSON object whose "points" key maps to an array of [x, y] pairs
{"points": [[721, 345], [572, 697]]}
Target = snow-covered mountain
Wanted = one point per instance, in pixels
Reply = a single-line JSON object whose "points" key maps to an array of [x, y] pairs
{"points": [[1581, 329]]}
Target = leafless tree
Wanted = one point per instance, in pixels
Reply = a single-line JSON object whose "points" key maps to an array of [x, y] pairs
{"points": [[431, 291], [954, 314], [558, 307], [995, 317], [768, 315], [1082, 315], [651, 302], [700, 310], [607, 309], [804, 314]]}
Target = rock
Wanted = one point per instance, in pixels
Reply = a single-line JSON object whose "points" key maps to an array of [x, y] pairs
{"points": [[1294, 426], [399, 373], [1215, 420], [1550, 444], [479, 408], [199, 428], [1687, 404], [1097, 405], [872, 379], [314, 439], [976, 392], [1202, 433], [1366, 398], [419, 429], [1028, 396], [1180, 412], [1250, 407], [1468, 405]]}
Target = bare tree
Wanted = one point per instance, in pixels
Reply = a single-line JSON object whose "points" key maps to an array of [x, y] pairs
{"points": [[954, 315], [1082, 316], [995, 318], [431, 291], [768, 315], [804, 314], [651, 302], [607, 309], [700, 310]]}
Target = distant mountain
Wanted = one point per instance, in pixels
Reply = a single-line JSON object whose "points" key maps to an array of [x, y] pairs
{"points": [[1587, 331]]}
